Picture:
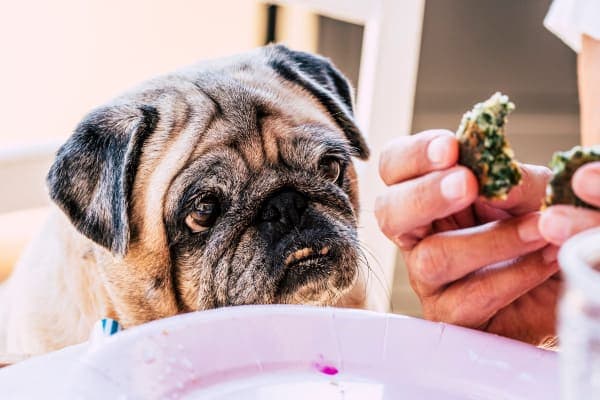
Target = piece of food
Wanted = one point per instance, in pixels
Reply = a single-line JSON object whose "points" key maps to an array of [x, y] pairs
{"points": [[484, 148], [564, 164]]}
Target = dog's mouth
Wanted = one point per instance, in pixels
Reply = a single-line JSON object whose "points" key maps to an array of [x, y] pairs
{"points": [[305, 254], [305, 266]]}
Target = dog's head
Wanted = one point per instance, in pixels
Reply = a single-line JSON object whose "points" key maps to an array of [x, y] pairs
{"points": [[227, 183]]}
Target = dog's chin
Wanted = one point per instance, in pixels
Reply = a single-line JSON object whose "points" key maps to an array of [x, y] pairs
{"points": [[316, 280]]}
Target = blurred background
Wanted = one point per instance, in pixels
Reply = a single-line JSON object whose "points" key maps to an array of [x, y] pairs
{"points": [[61, 58]]}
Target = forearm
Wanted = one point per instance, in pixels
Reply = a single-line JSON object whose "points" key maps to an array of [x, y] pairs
{"points": [[589, 90]]}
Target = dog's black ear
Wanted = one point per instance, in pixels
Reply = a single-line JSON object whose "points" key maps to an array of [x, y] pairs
{"points": [[319, 77], [92, 176]]}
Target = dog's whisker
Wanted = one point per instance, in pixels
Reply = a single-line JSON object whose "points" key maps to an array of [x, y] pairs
{"points": [[362, 249]]}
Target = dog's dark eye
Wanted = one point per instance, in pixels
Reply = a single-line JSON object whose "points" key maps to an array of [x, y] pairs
{"points": [[330, 168], [206, 210]]}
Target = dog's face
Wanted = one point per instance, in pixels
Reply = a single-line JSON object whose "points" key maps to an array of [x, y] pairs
{"points": [[227, 183]]}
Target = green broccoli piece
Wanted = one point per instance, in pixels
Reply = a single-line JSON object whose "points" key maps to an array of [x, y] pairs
{"points": [[484, 149], [564, 164]]}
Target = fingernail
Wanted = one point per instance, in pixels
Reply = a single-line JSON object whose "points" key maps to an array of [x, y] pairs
{"points": [[528, 229], [557, 226], [590, 177], [454, 185], [437, 150], [549, 254]]}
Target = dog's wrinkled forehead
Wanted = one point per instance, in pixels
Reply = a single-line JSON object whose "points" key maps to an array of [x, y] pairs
{"points": [[275, 80], [248, 103], [271, 128]]}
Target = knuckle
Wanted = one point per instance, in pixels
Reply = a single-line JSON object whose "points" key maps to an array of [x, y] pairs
{"points": [[534, 180], [382, 215], [391, 214], [429, 311], [414, 284], [387, 157], [433, 308], [405, 242], [456, 315], [428, 263], [497, 243], [420, 198], [472, 305], [537, 172], [400, 159], [452, 310], [437, 312], [482, 294], [420, 290]]}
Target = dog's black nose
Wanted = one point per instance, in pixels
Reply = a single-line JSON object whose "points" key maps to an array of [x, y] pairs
{"points": [[281, 213]]}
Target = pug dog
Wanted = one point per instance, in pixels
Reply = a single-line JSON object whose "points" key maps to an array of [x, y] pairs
{"points": [[226, 183]]}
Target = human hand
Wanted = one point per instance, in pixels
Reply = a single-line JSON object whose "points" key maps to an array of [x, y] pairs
{"points": [[558, 223], [473, 262]]}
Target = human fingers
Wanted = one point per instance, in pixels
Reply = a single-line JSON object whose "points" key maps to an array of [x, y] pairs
{"points": [[409, 240], [527, 196], [558, 223], [443, 258], [417, 202], [411, 156], [473, 300], [464, 218]]}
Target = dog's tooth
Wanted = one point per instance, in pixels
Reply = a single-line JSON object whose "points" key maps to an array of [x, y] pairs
{"points": [[289, 259], [324, 250], [298, 255]]}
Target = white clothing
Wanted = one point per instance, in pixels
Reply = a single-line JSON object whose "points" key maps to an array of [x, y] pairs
{"points": [[570, 19]]}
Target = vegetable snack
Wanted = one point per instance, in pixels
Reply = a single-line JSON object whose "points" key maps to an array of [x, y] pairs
{"points": [[564, 164], [484, 148]]}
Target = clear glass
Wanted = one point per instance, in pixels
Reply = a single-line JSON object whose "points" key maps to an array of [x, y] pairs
{"points": [[579, 317]]}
